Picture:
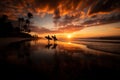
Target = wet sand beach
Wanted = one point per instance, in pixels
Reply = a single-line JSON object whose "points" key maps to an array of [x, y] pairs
{"points": [[40, 59]]}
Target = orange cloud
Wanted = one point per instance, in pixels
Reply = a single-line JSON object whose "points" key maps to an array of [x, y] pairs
{"points": [[65, 6], [38, 6], [65, 12]]}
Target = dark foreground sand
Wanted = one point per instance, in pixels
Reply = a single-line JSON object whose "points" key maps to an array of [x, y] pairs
{"points": [[40, 60], [6, 41]]}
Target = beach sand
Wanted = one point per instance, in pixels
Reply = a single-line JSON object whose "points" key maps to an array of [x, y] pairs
{"points": [[6, 41]]}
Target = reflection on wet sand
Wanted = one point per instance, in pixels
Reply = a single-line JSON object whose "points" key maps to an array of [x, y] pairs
{"points": [[58, 60], [52, 46]]}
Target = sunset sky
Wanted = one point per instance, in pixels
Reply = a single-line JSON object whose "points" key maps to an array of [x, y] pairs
{"points": [[80, 18]]}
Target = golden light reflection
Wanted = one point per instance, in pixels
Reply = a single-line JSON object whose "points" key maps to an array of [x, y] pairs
{"points": [[69, 42]]}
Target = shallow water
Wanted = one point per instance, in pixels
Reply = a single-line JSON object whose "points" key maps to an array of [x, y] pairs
{"points": [[57, 60]]}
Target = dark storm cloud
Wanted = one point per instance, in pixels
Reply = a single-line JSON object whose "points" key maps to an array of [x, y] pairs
{"points": [[56, 14], [13, 8], [104, 6], [102, 18]]}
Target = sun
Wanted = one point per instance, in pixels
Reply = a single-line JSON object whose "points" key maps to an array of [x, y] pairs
{"points": [[69, 36]]}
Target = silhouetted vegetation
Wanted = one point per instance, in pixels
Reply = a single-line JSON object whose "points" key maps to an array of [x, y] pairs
{"points": [[20, 20], [6, 27], [25, 24], [8, 30]]}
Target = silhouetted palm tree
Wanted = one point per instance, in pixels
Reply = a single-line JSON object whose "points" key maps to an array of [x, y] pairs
{"points": [[3, 21], [27, 22], [20, 21], [25, 27], [4, 18], [30, 15]]}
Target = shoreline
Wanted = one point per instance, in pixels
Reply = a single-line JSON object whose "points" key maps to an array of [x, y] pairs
{"points": [[102, 46], [104, 49], [110, 46]]}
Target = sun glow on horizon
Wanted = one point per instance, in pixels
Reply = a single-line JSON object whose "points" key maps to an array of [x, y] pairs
{"points": [[69, 36]]}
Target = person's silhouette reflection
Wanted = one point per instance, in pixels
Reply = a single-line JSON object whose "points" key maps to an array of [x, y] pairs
{"points": [[48, 45], [54, 46]]}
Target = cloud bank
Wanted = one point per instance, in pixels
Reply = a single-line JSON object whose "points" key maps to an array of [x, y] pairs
{"points": [[74, 14]]}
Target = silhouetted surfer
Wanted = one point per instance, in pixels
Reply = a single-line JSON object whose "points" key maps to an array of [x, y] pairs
{"points": [[48, 37], [54, 38]]}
